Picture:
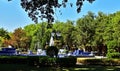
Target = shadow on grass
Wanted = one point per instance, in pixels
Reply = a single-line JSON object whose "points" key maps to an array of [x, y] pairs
{"points": [[93, 68], [16, 67]]}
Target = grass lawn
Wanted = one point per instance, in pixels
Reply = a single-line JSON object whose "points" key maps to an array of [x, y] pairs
{"points": [[15, 67]]}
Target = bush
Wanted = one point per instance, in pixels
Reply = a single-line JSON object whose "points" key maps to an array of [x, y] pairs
{"points": [[13, 59], [47, 61], [113, 51], [67, 62], [32, 60], [113, 55], [64, 62], [41, 61], [52, 51]]}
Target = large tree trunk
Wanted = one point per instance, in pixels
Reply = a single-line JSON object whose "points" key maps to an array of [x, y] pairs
{"points": [[102, 50]]}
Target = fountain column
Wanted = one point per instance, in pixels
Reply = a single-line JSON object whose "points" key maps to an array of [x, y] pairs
{"points": [[51, 40]]}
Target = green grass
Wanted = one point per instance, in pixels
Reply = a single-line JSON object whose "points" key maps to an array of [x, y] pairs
{"points": [[21, 67]]}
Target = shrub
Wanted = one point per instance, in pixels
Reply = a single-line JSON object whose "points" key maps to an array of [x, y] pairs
{"points": [[52, 51], [13, 59], [47, 61], [113, 51], [41, 61], [67, 61], [33, 60], [113, 55]]}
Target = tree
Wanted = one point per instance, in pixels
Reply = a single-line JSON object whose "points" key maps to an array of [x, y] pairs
{"points": [[66, 29], [86, 29], [19, 39], [43, 34], [4, 35], [113, 41], [39, 34], [107, 34], [100, 32], [45, 8], [68, 37], [31, 32]]}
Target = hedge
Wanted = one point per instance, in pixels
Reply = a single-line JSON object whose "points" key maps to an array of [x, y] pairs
{"points": [[113, 62], [48, 61], [66, 62], [38, 60], [13, 60]]}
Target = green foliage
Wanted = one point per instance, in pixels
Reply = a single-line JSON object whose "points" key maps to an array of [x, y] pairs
{"points": [[112, 45], [113, 55], [4, 35], [67, 29], [47, 61], [113, 49], [39, 35], [86, 29]]}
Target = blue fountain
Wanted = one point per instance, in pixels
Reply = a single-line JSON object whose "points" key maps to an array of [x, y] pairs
{"points": [[8, 51]]}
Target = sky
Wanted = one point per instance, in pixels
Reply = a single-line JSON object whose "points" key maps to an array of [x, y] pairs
{"points": [[12, 15]]}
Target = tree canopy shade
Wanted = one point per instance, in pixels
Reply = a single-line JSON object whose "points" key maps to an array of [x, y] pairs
{"points": [[45, 8]]}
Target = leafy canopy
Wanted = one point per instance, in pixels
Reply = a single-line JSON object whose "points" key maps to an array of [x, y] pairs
{"points": [[45, 8]]}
